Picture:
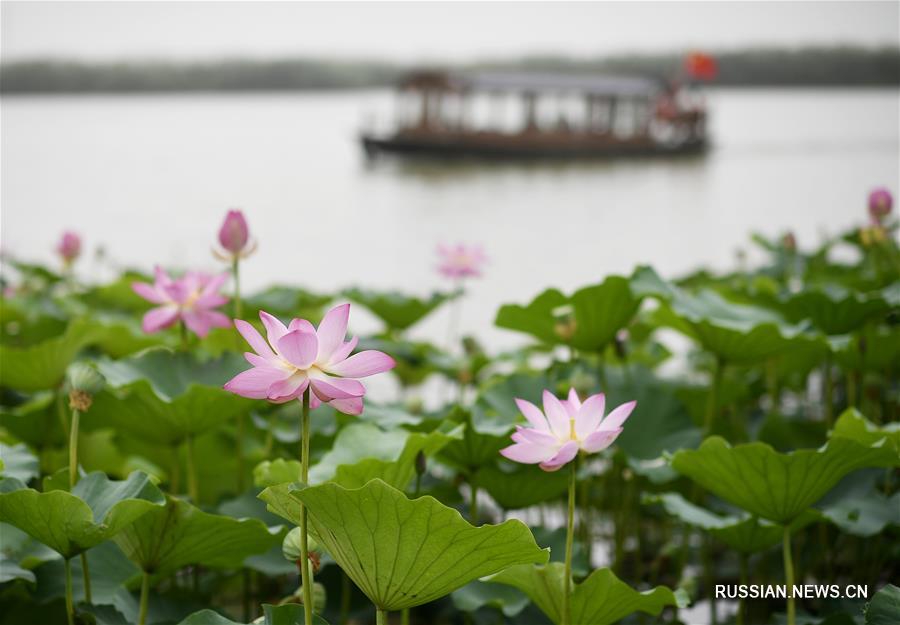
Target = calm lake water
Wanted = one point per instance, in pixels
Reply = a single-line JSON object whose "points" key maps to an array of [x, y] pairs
{"points": [[149, 178]]}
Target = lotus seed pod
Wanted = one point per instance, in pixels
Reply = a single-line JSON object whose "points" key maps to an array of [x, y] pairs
{"points": [[290, 546]]}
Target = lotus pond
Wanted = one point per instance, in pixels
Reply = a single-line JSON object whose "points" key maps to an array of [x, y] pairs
{"points": [[173, 450]]}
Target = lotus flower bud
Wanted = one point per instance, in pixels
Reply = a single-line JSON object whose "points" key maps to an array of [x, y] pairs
{"points": [[234, 234], [290, 546], [69, 247], [84, 382], [880, 204]]}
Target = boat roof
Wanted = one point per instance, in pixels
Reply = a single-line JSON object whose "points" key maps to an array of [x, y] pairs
{"points": [[524, 82]]}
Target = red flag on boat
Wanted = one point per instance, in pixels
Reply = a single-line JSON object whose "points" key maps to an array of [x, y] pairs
{"points": [[700, 66]]}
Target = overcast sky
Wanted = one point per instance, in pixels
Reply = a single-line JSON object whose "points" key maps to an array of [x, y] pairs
{"points": [[417, 31]]}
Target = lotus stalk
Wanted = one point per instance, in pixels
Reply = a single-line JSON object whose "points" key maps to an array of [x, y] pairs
{"points": [[305, 576]]}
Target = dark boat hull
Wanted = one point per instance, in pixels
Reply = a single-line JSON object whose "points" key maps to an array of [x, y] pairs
{"points": [[465, 147]]}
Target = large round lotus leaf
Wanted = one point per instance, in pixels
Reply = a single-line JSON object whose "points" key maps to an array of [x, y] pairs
{"points": [[397, 310], [772, 485], [179, 534], [43, 366], [588, 320], [601, 599], [884, 608], [744, 533], [400, 552], [833, 309], [69, 523], [162, 396]]}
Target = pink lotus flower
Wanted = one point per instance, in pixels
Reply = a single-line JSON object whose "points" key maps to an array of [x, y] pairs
{"points": [[569, 427], [299, 356], [190, 299], [880, 204], [461, 261], [69, 246], [234, 236]]}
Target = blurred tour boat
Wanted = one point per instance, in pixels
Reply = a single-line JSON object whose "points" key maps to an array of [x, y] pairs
{"points": [[506, 115]]}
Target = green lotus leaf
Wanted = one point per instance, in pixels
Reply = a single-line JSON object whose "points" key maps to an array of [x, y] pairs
{"points": [[588, 320], [96, 510], [601, 599], [287, 614], [743, 533], [864, 514], [521, 486], [772, 485], [851, 424], [397, 310], [43, 366], [400, 552], [875, 348], [109, 569], [17, 461], [400, 472], [278, 471], [884, 608], [163, 396], [287, 302], [36, 421], [476, 595], [833, 309], [178, 534]]}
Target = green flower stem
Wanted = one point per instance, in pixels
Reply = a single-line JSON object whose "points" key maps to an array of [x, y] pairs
{"points": [[713, 397], [238, 308], [193, 488], [404, 616], [380, 616], [182, 329], [86, 576], [73, 478], [70, 604], [473, 501], [570, 535], [305, 577], [828, 392], [789, 575], [241, 418], [73, 449], [145, 598]]}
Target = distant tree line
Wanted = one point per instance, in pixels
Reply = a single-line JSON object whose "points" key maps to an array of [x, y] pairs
{"points": [[837, 66]]}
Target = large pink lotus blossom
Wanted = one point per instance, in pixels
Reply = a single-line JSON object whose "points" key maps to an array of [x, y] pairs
{"points": [[569, 426], [234, 237], [299, 356], [69, 246], [461, 261], [880, 204], [190, 299]]}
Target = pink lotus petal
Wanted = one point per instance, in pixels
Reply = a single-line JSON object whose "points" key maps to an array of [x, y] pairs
{"points": [[301, 324], [572, 403], [299, 348], [213, 284], [616, 418], [530, 435], [343, 351], [600, 440], [556, 415], [158, 318], [256, 360], [350, 405], [211, 300], [274, 328], [533, 414], [254, 339], [289, 388], [588, 417], [234, 233], [254, 383], [201, 321], [328, 388], [528, 453], [363, 364], [565, 455], [148, 292], [332, 331]]}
